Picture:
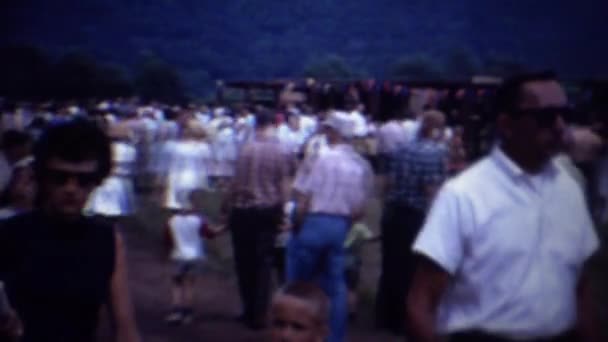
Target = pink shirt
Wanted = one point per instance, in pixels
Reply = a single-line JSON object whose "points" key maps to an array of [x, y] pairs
{"points": [[339, 182]]}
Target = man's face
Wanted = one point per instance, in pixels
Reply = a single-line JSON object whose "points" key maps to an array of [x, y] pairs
{"points": [[295, 320], [68, 185], [539, 129]]}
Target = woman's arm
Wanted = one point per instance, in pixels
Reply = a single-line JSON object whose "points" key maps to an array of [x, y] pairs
{"points": [[121, 306]]}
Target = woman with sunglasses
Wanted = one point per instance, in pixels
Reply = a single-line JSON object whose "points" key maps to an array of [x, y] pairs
{"points": [[61, 267]]}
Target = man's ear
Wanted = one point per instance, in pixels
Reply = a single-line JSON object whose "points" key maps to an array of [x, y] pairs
{"points": [[504, 125]]}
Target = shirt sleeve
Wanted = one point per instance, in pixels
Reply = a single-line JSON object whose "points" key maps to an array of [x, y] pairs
{"points": [[304, 181], [590, 242], [442, 238]]}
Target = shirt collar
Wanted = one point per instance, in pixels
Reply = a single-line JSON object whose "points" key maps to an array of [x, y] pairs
{"points": [[508, 165], [343, 147]]}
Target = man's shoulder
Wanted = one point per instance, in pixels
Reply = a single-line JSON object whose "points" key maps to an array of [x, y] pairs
{"points": [[474, 177]]}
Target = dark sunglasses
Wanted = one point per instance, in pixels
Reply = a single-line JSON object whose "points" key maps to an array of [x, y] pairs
{"points": [[61, 177], [547, 116]]}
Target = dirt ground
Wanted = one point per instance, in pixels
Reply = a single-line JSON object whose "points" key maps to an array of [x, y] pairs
{"points": [[218, 301]]}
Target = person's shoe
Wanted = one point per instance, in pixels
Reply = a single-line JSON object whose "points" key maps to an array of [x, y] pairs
{"points": [[187, 316], [175, 317]]}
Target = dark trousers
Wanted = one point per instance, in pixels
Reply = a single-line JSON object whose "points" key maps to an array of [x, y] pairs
{"points": [[400, 226], [279, 264], [253, 236]]}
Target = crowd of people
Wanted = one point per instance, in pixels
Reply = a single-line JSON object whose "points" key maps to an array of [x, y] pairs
{"points": [[493, 249]]}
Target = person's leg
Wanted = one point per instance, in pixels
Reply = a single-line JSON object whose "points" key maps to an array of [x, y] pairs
{"points": [[302, 253], [262, 277], [381, 288], [240, 245], [188, 297], [175, 315], [392, 247], [414, 222], [332, 279], [403, 231], [279, 264]]}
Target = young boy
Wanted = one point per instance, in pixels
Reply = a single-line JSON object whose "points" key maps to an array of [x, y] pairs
{"points": [[185, 230], [299, 313]]}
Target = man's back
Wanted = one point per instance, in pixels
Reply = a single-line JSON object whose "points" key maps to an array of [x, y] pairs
{"points": [[261, 169]]}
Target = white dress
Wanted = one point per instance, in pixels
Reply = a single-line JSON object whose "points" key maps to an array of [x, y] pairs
{"points": [[224, 152], [115, 196], [186, 170]]}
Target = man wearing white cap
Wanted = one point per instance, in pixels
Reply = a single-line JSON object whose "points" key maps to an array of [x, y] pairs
{"points": [[329, 197]]}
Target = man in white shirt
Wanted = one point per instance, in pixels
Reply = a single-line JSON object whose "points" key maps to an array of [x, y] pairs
{"points": [[504, 247], [329, 198]]}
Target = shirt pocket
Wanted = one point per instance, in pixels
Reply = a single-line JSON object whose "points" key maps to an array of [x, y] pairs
{"points": [[562, 238]]}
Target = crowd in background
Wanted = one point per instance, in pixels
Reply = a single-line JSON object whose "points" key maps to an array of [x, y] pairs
{"points": [[285, 171]]}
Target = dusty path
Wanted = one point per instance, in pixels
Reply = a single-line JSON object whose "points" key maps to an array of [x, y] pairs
{"points": [[217, 302]]}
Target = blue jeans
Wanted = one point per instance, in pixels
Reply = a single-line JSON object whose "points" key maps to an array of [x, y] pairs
{"points": [[316, 253]]}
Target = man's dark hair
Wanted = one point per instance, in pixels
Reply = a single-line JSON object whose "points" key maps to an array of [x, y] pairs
{"points": [[509, 95], [75, 141], [13, 138]]}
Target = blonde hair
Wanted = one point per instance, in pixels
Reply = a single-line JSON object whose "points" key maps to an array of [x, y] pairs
{"points": [[310, 293]]}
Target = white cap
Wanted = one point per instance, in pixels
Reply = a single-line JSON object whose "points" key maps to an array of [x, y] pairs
{"points": [[340, 122]]}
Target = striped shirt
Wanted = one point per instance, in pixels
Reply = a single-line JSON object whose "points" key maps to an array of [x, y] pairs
{"points": [[261, 169], [339, 182]]}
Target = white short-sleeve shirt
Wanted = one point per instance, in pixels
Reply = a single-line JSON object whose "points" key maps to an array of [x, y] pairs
{"points": [[187, 241], [339, 182], [514, 245]]}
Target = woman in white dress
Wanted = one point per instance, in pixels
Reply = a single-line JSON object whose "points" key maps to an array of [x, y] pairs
{"points": [[187, 160], [224, 148], [115, 196]]}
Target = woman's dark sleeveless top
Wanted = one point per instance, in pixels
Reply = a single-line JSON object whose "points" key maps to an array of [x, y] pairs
{"points": [[57, 275]]}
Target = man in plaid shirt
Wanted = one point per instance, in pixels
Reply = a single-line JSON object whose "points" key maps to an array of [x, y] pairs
{"points": [[414, 174]]}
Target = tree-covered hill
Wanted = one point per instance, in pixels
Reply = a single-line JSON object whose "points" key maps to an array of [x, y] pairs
{"points": [[227, 39]]}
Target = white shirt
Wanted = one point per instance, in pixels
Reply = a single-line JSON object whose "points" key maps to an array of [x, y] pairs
{"points": [[514, 245], [411, 128], [359, 123], [339, 182], [187, 241], [391, 136]]}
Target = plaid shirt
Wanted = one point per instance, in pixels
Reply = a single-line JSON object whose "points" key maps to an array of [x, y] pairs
{"points": [[412, 169], [262, 168]]}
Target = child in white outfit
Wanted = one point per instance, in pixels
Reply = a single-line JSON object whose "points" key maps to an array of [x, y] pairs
{"points": [[186, 230]]}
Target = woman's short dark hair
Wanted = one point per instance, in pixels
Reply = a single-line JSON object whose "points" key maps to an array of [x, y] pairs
{"points": [[74, 141]]}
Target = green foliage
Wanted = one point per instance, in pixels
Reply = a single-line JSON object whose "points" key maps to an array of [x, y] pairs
{"points": [[24, 70], [461, 63], [419, 67], [503, 66], [157, 80], [330, 67]]}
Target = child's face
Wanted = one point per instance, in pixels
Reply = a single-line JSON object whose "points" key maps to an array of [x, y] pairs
{"points": [[295, 320]]}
